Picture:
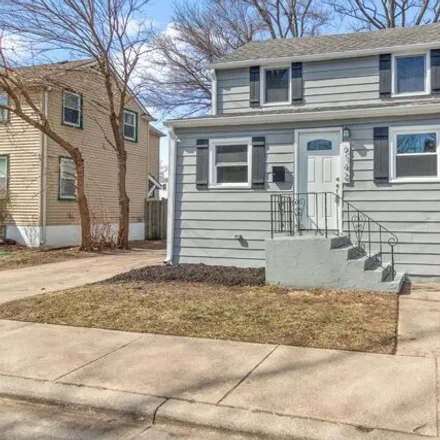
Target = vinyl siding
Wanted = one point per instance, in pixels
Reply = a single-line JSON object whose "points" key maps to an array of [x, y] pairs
{"points": [[208, 220], [100, 160], [153, 159], [326, 84], [21, 143]]}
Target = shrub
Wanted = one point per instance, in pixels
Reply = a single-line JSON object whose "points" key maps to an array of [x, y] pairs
{"points": [[199, 273]]}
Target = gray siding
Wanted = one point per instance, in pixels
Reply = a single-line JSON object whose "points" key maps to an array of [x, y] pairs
{"points": [[326, 84], [208, 220]]}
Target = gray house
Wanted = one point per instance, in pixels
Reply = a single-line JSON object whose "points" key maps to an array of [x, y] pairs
{"points": [[320, 161]]}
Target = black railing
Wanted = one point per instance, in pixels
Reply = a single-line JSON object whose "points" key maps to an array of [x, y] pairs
{"points": [[327, 214]]}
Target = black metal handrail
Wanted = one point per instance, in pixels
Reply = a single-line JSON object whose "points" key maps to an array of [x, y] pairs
{"points": [[287, 215]]}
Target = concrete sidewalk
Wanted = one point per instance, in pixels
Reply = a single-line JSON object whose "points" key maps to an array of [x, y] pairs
{"points": [[28, 281], [283, 392]]}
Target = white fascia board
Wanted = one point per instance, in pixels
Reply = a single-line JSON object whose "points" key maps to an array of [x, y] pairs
{"points": [[324, 56], [321, 115]]}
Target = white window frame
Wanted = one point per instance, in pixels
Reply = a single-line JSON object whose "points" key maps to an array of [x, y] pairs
{"points": [[394, 131], [6, 158], [263, 70], [6, 112], [65, 93], [427, 90], [135, 126], [213, 144], [62, 196]]}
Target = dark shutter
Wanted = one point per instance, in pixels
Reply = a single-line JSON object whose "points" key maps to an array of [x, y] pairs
{"points": [[435, 71], [297, 83], [381, 154], [385, 75], [258, 162], [202, 163], [254, 79]]}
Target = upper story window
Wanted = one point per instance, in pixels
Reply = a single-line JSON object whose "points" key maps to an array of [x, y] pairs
{"points": [[3, 174], [231, 163], [4, 114], [67, 184], [130, 125], [72, 109], [276, 86], [411, 75], [415, 153]]}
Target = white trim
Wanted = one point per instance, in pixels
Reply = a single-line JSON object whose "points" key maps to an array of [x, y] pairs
{"points": [[79, 110], [263, 85], [427, 89], [43, 189], [213, 143], [324, 56], [313, 116], [214, 96], [393, 132], [135, 126], [172, 169]]}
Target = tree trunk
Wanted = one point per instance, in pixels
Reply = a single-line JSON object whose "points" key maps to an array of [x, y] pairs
{"points": [[83, 204], [124, 201]]}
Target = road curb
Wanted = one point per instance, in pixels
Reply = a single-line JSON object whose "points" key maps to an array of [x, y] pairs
{"points": [[161, 410], [129, 404]]}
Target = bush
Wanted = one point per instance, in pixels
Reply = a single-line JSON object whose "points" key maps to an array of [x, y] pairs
{"points": [[196, 273]]}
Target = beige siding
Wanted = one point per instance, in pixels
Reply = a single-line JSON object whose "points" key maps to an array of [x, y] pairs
{"points": [[21, 143], [154, 148], [100, 160]]}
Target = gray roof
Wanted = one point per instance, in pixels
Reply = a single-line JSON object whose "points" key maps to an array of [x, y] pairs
{"points": [[296, 47]]}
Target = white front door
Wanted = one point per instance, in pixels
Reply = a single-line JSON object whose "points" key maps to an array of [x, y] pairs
{"points": [[318, 179]]}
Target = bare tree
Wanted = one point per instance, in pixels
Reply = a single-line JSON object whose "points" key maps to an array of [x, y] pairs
{"points": [[202, 31], [22, 86], [110, 32], [372, 14]]}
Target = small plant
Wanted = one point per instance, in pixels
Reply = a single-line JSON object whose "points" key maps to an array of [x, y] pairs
{"points": [[104, 231]]}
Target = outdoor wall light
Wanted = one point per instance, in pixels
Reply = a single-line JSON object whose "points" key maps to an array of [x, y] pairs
{"points": [[346, 133]]}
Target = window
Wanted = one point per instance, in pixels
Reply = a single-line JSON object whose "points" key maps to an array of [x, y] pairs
{"points": [[230, 163], [67, 189], [4, 114], [130, 125], [3, 174], [319, 145], [411, 75], [415, 154], [72, 109], [276, 86]]}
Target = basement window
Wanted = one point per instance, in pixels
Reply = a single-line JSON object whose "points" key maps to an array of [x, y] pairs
{"points": [[67, 184], [415, 154]]}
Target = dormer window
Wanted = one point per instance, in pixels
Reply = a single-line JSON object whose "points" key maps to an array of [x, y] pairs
{"points": [[411, 75], [276, 86]]}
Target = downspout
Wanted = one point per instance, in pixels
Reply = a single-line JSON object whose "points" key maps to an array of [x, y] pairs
{"points": [[43, 156], [172, 154]]}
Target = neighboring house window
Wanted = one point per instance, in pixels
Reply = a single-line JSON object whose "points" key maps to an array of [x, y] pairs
{"points": [[231, 163], [72, 109], [3, 174], [67, 179], [415, 153], [130, 125], [4, 114], [411, 74], [276, 86]]}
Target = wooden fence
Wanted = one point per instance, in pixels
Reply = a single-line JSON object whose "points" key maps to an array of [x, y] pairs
{"points": [[156, 219]]}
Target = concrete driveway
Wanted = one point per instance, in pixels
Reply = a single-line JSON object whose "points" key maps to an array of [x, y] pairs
{"points": [[20, 283]]}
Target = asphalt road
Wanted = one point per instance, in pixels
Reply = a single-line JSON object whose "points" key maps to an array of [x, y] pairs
{"points": [[31, 421]]}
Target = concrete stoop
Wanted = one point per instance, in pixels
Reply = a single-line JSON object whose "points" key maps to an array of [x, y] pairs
{"points": [[311, 261]]}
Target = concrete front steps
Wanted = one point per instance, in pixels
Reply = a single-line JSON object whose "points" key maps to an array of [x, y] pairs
{"points": [[310, 261]]}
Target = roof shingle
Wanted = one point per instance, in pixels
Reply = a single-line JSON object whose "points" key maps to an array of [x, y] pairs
{"points": [[321, 45]]}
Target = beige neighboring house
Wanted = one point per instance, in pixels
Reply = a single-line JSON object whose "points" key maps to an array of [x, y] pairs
{"points": [[39, 175]]}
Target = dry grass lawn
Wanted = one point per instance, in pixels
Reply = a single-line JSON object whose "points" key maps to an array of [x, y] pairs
{"points": [[346, 320]]}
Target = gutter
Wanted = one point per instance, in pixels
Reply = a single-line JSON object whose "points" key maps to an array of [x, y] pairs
{"points": [[43, 188], [324, 56], [320, 115], [172, 159]]}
